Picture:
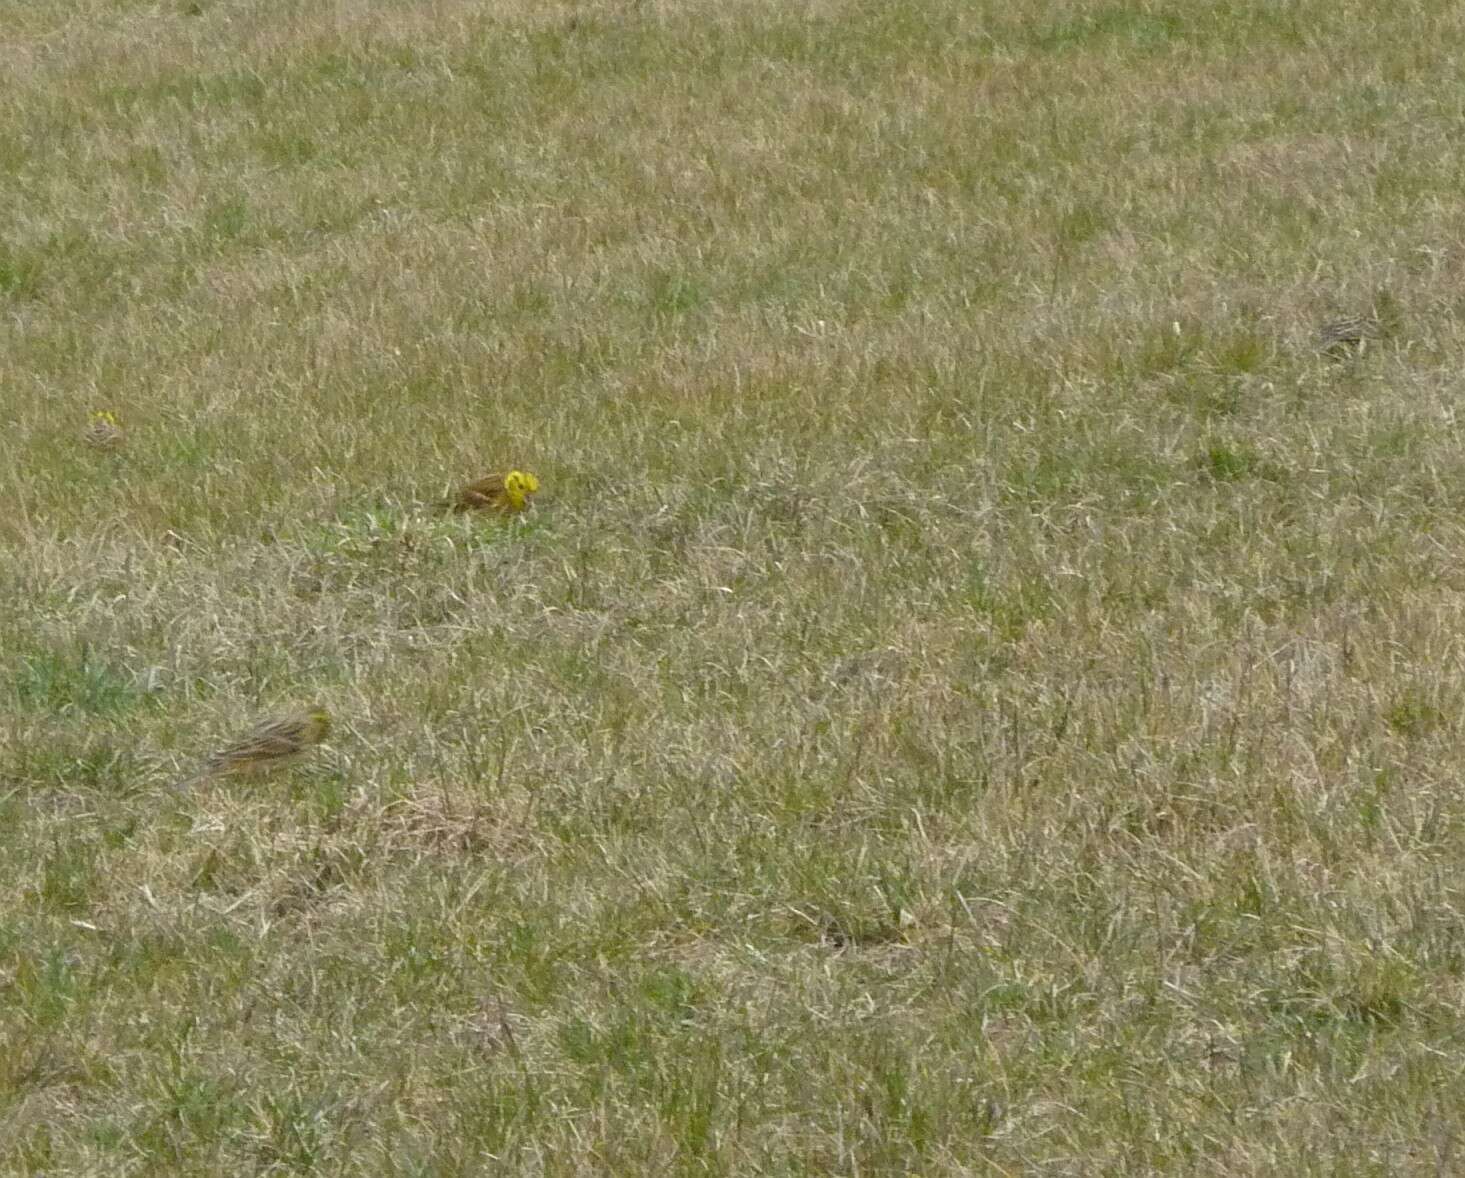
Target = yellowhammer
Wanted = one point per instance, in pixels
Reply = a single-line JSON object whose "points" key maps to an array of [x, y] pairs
{"points": [[496, 492], [1349, 337], [103, 431], [270, 744], [1352, 336]]}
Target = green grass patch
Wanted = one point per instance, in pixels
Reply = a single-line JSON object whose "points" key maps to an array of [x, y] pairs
{"points": [[974, 693]]}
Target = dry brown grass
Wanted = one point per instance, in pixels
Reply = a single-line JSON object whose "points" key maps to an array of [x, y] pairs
{"points": [[976, 694]]}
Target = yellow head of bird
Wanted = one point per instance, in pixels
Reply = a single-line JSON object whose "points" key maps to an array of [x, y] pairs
{"points": [[103, 417], [518, 486], [320, 725]]}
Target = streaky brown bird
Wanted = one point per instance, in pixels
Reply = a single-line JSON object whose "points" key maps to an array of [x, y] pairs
{"points": [[495, 492]]}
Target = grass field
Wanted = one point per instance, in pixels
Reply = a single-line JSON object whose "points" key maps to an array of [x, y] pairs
{"points": [[978, 693]]}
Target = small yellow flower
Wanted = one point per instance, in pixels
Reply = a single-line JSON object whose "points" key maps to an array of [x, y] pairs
{"points": [[270, 744], [506, 492], [103, 431]]}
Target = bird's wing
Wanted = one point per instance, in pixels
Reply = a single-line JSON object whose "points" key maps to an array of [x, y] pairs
{"points": [[484, 492]]}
